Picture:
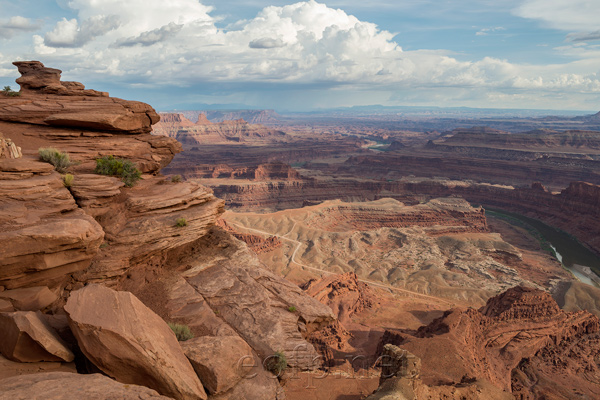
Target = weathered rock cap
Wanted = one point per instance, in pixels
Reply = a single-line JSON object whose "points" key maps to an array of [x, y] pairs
{"points": [[46, 100], [36, 77]]}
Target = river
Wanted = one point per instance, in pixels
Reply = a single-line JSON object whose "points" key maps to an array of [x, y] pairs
{"points": [[567, 249]]}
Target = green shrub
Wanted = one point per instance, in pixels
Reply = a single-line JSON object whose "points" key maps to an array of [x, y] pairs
{"points": [[7, 91], [68, 180], [182, 332], [292, 309], [176, 178], [181, 222], [60, 160], [109, 165], [276, 363]]}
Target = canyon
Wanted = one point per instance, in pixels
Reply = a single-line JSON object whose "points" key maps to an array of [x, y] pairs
{"points": [[308, 261], [345, 209]]}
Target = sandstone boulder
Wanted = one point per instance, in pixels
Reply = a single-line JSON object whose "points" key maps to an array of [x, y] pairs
{"points": [[26, 337], [30, 299], [218, 361], [129, 342], [67, 386]]}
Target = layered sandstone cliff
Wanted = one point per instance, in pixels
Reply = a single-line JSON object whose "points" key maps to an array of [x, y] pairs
{"points": [[204, 131]]}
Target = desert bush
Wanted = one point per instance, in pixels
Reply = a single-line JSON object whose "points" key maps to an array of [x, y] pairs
{"points": [[176, 178], [181, 222], [68, 180], [182, 332], [276, 363], [60, 160], [292, 309], [109, 165], [7, 91]]}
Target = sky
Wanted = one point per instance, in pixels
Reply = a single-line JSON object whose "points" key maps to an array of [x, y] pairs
{"points": [[307, 55]]}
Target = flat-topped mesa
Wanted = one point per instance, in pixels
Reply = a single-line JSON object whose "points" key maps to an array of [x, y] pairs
{"points": [[45, 100]]}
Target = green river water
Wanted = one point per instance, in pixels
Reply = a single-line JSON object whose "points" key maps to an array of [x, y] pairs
{"points": [[568, 249]]}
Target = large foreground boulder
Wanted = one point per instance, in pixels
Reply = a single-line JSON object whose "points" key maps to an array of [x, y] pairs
{"points": [[130, 343], [68, 386]]}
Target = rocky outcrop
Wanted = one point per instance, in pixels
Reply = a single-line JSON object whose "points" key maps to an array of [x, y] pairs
{"points": [[345, 294], [26, 337], [400, 380], [63, 386], [56, 231], [257, 244], [142, 223], [262, 386], [275, 171], [129, 342], [515, 330], [521, 303]]}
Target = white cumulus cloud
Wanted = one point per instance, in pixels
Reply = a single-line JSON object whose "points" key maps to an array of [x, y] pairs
{"points": [[569, 15], [17, 24], [157, 42]]}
